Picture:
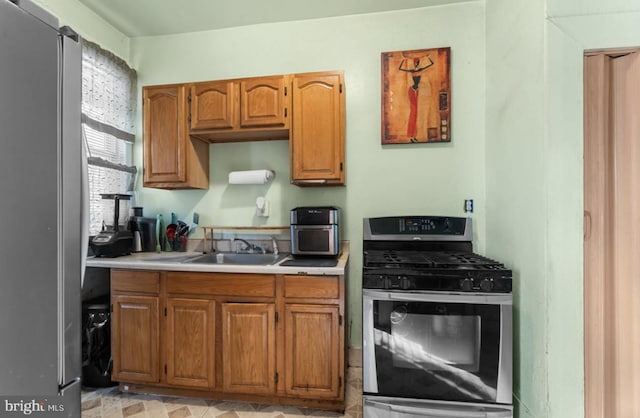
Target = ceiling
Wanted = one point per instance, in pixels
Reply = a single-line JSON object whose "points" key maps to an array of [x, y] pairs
{"points": [[164, 17]]}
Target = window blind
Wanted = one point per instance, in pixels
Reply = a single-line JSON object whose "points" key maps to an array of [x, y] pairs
{"points": [[108, 123]]}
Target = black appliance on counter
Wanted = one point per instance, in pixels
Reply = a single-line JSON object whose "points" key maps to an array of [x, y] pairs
{"points": [[315, 231], [315, 237], [115, 239], [146, 227], [437, 321]]}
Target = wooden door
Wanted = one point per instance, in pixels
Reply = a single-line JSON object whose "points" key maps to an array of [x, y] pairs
{"points": [[134, 338], [214, 105], [317, 140], [248, 347], [312, 338], [190, 342], [165, 134], [612, 234], [264, 102]]}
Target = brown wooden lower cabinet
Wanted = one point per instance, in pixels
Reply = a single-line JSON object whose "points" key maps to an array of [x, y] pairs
{"points": [[190, 340], [312, 344], [134, 341], [248, 347], [213, 335]]}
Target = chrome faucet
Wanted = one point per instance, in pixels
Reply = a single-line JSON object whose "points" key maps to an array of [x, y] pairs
{"points": [[248, 247], [274, 245]]}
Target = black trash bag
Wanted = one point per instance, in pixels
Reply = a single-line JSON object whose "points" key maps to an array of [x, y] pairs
{"points": [[96, 347]]}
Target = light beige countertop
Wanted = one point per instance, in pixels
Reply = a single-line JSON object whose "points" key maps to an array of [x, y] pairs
{"points": [[173, 261]]}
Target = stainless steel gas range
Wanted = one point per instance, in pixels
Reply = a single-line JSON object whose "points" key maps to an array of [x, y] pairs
{"points": [[437, 322]]}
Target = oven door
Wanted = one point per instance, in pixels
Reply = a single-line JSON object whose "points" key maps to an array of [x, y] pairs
{"points": [[438, 346]]}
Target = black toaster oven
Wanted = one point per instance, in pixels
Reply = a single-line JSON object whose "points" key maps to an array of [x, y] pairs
{"points": [[315, 231]]}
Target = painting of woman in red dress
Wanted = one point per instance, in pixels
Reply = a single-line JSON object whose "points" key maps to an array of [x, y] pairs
{"points": [[415, 70], [416, 97]]}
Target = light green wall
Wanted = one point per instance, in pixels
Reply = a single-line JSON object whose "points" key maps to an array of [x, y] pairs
{"points": [[89, 25], [534, 181], [516, 201], [400, 179], [571, 28]]}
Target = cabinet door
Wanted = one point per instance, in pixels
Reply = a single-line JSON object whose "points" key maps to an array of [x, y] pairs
{"points": [[248, 347], [190, 342], [165, 134], [313, 345], [214, 105], [134, 338], [264, 102], [317, 140]]}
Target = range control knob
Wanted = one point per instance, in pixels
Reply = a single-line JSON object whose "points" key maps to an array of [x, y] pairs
{"points": [[405, 283], [466, 284], [486, 285]]}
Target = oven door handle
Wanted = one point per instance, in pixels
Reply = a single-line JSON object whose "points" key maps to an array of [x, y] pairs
{"points": [[441, 297], [436, 412]]}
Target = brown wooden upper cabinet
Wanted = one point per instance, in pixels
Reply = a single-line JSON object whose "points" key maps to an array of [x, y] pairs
{"points": [[249, 109], [317, 137], [213, 105], [172, 159], [308, 109]]}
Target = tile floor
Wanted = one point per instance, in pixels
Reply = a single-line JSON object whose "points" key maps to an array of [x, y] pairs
{"points": [[108, 403]]}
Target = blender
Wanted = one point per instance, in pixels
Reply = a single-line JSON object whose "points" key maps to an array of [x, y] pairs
{"points": [[115, 239]]}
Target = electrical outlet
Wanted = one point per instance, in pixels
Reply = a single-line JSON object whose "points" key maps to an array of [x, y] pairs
{"points": [[468, 206]]}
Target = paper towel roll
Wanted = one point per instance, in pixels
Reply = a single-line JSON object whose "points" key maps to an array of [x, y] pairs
{"points": [[251, 177]]}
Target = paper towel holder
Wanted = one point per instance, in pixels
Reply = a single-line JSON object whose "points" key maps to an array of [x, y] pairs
{"points": [[251, 177]]}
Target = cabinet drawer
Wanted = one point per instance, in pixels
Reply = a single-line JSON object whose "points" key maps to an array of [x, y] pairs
{"points": [[221, 284], [321, 287], [135, 281]]}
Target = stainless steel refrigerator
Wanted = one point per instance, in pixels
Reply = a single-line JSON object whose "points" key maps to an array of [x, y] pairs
{"points": [[41, 234]]}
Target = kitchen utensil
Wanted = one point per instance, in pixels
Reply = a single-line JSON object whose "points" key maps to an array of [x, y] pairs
{"points": [[194, 223], [183, 228], [158, 229]]}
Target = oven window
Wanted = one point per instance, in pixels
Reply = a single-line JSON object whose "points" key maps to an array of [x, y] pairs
{"points": [[445, 351], [435, 341], [313, 240]]}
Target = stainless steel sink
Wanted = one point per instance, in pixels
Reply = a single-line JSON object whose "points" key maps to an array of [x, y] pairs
{"points": [[238, 259], [165, 258]]}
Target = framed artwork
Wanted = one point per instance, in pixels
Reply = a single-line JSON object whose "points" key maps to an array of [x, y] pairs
{"points": [[416, 96]]}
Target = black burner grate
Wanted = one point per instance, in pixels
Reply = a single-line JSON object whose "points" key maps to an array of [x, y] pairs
{"points": [[426, 260]]}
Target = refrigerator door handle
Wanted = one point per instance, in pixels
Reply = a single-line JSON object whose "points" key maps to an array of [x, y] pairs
{"points": [[84, 231]]}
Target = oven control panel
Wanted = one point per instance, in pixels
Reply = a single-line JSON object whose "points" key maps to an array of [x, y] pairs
{"points": [[421, 225], [418, 228], [492, 283]]}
